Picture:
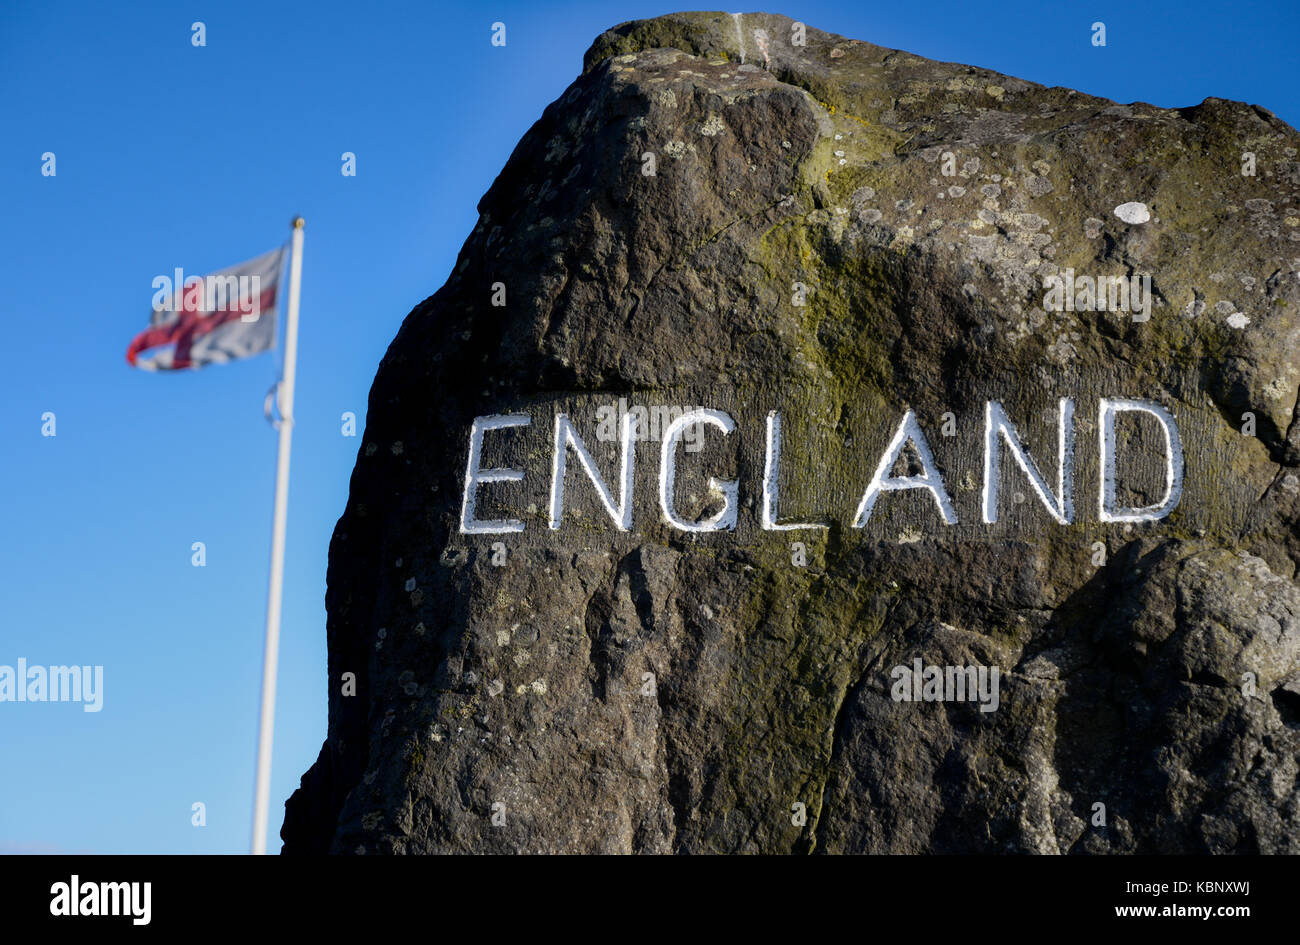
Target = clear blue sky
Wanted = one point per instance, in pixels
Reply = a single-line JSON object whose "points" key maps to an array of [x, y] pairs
{"points": [[170, 155]]}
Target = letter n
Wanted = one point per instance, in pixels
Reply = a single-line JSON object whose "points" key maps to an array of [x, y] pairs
{"points": [[566, 437], [998, 427]]}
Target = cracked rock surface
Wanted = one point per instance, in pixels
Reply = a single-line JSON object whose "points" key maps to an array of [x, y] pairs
{"points": [[651, 690]]}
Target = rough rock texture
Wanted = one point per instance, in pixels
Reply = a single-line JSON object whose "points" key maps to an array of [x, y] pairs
{"points": [[508, 708]]}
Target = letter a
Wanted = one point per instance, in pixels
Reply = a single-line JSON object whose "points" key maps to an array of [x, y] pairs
{"points": [[930, 479]]}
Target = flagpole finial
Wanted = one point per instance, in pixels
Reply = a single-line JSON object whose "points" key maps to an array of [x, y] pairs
{"points": [[298, 222]]}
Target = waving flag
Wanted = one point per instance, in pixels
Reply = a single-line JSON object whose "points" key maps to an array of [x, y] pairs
{"points": [[226, 315], [216, 318]]}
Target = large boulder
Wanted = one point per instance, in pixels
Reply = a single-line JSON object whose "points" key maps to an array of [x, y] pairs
{"points": [[716, 215]]}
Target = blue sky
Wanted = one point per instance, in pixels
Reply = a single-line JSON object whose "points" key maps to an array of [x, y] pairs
{"points": [[170, 155]]}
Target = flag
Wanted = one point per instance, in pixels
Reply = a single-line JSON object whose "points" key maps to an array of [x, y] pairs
{"points": [[213, 319]]}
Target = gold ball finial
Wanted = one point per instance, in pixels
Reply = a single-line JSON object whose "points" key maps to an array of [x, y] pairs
{"points": [[298, 222]]}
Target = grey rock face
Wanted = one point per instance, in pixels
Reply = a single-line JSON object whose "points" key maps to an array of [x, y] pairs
{"points": [[713, 215]]}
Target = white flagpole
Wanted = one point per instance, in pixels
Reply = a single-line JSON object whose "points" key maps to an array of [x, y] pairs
{"points": [[271, 654]]}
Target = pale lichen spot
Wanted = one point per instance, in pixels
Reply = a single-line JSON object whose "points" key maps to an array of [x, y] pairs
{"points": [[1037, 185], [1277, 389], [1133, 212], [712, 126]]}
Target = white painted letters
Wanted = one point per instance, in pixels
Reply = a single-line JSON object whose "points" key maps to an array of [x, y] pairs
{"points": [[998, 426], [1000, 436], [725, 520], [771, 475], [566, 437], [1107, 409], [930, 479], [469, 525]]}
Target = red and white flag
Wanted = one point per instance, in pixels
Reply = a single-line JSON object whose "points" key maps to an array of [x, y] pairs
{"points": [[213, 319]]}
